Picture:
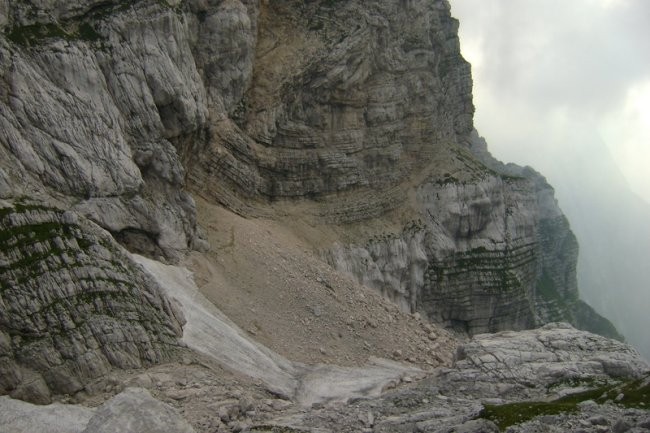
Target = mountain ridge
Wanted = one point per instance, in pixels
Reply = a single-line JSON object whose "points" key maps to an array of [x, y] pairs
{"points": [[331, 151]]}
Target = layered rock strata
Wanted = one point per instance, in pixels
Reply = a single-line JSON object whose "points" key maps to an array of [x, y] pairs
{"points": [[338, 99], [73, 305], [92, 99], [361, 123], [487, 252], [354, 116]]}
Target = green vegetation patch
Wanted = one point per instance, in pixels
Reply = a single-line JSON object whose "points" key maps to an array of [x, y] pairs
{"points": [[34, 33], [87, 32], [31, 233], [631, 394], [506, 415], [40, 241], [331, 3], [82, 27], [276, 429]]}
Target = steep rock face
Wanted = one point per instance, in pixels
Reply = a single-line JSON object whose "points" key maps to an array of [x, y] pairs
{"points": [[339, 100], [92, 100], [73, 305], [489, 251], [372, 122], [355, 115]]}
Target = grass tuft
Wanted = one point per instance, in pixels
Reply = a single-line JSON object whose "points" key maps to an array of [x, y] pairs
{"points": [[635, 394]]}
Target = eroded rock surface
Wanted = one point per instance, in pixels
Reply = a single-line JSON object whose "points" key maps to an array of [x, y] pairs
{"points": [[553, 355], [359, 112], [73, 305], [136, 411], [450, 400], [526, 368], [92, 100], [21, 417], [351, 118]]}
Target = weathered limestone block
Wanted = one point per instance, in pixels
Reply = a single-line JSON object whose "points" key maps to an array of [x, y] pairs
{"points": [[553, 354], [135, 411], [73, 305]]}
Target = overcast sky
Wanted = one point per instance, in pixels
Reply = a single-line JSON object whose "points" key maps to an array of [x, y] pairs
{"points": [[560, 79], [564, 86]]}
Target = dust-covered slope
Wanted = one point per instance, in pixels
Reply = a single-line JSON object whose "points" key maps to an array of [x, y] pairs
{"points": [[208, 331], [268, 280]]}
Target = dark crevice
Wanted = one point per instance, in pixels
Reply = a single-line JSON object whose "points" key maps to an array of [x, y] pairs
{"points": [[139, 241]]}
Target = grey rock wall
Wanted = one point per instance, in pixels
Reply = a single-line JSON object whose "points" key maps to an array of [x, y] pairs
{"points": [[94, 100], [360, 109], [338, 100], [494, 251], [73, 305]]}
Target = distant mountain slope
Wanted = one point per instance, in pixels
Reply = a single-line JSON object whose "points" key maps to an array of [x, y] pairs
{"points": [[611, 224]]}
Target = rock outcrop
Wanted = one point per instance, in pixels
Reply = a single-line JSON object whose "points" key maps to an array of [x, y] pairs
{"points": [[132, 411], [136, 411], [95, 98], [551, 356], [92, 100], [358, 113], [350, 118], [555, 379], [73, 305], [22, 417]]}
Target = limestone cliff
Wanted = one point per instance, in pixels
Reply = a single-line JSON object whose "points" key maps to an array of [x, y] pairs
{"points": [[364, 111], [92, 100], [73, 305], [351, 120]]}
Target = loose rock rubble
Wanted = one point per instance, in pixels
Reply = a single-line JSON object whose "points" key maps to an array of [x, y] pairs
{"points": [[447, 400]]}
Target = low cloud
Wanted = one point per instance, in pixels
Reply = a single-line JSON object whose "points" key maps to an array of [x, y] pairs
{"points": [[564, 86], [542, 68]]}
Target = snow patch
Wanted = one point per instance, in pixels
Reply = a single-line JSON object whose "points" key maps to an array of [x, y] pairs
{"points": [[210, 332]]}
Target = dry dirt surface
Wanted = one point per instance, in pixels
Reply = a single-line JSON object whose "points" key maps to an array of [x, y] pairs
{"points": [[271, 283], [211, 399]]}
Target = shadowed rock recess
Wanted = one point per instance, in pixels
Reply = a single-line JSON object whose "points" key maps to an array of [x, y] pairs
{"points": [[345, 125]]}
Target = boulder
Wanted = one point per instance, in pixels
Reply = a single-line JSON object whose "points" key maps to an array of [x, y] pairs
{"points": [[135, 411]]}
